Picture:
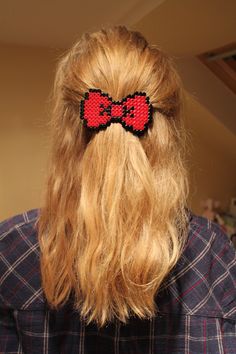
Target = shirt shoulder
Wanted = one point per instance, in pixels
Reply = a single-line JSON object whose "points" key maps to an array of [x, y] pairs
{"points": [[203, 282], [20, 280], [18, 219]]}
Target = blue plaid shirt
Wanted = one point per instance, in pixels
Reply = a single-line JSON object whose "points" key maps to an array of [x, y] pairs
{"points": [[197, 301]]}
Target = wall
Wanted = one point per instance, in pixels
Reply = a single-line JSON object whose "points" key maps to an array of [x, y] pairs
{"points": [[212, 157], [26, 81]]}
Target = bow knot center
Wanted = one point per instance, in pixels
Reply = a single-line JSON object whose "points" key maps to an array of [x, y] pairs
{"points": [[116, 110]]}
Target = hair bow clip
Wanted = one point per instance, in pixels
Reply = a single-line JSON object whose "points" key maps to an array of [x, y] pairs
{"points": [[134, 112]]}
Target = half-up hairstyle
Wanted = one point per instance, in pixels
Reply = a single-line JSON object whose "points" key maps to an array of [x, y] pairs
{"points": [[113, 221]]}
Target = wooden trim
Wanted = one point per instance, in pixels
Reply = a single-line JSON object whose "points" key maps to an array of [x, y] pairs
{"points": [[223, 68]]}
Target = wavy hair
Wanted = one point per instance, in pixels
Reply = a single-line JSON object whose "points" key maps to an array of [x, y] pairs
{"points": [[113, 221]]}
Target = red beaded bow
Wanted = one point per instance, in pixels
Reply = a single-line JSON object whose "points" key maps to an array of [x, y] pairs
{"points": [[134, 112]]}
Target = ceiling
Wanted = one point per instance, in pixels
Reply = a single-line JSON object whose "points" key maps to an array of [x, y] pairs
{"points": [[57, 23], [190, 27], [183, 27]]}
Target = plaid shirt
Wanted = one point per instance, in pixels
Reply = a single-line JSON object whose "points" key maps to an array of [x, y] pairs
{"points": [[197, 301]]}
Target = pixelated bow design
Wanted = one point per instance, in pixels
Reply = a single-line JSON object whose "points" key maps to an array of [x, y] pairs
{"points": [[134, 112]]}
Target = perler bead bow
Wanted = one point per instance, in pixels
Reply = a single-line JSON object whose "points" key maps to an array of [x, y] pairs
{"points": [[98, 111]]}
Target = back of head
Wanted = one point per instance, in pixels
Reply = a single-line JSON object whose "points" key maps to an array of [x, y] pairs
{"points": [[113, 221]]}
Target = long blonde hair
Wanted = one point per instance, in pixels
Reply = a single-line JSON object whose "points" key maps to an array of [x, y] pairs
{"points": [[113, 221]]}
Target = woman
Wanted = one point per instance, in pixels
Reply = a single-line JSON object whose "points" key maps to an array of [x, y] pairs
{"points": [[114, 261]]}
